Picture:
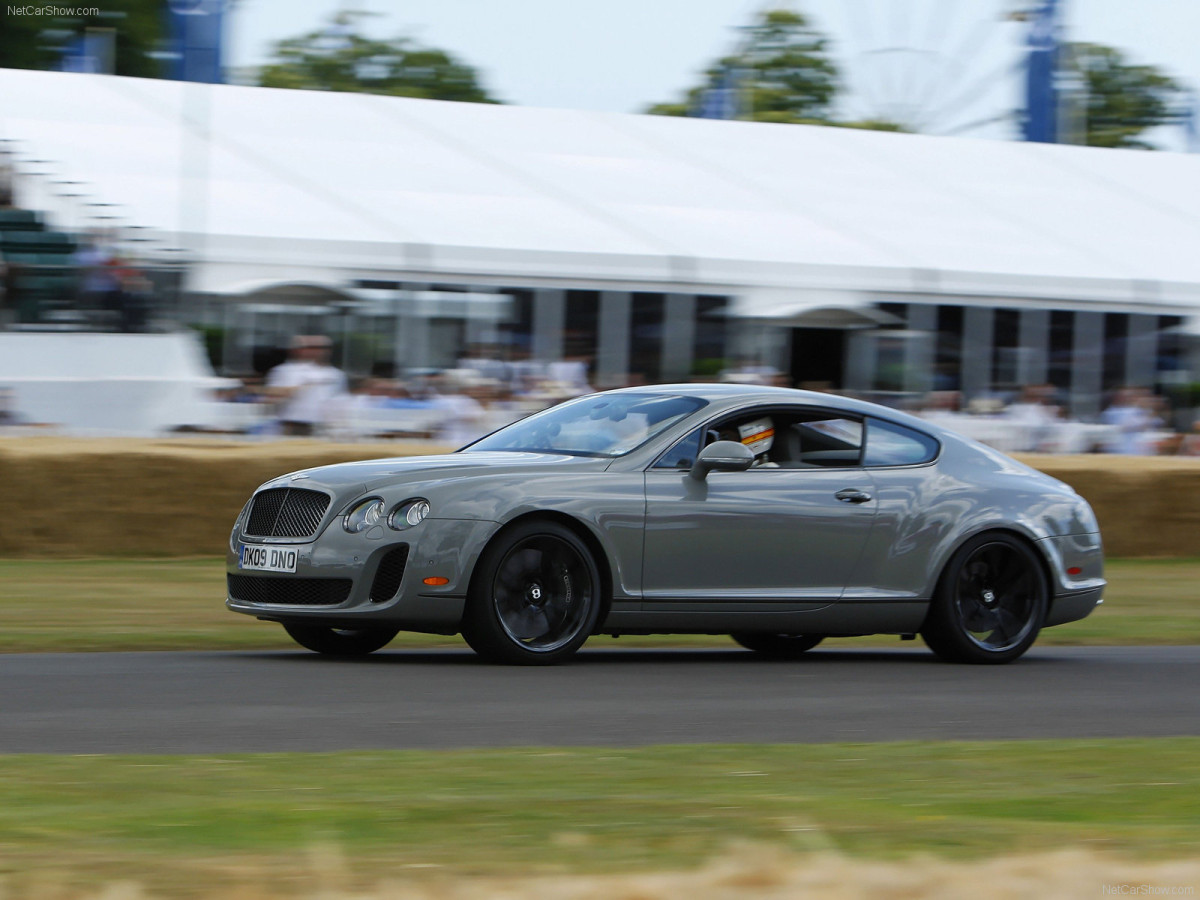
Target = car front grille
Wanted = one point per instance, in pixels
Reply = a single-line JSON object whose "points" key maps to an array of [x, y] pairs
{"points": [[289, 591], [389, 573], [286, 512]]}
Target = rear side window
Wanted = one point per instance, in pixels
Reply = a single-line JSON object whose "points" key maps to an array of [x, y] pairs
{"points": [[889, 444], [821, 441]]}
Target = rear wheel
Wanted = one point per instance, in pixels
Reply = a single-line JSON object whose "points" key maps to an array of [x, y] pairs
{"points": [[778, 646], [990, 602], [534, 598], [340, 641]]}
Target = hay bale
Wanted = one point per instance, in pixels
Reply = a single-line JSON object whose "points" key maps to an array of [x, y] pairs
{"points": [[68, 497], [1147, 505], [122, 497]]}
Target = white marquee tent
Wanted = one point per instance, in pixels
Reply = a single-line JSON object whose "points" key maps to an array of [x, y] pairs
{"points": [[260, 185], [109, 384]]}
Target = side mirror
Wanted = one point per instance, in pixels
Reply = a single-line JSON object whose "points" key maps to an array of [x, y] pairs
{"points": [[722, 456]]}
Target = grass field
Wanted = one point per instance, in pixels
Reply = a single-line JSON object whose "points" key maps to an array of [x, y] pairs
{"points": [[175, 822], [110, 604], [896, 820]]}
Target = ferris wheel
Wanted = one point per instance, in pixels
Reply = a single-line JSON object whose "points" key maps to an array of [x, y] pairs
{"points": [[944, 67]]}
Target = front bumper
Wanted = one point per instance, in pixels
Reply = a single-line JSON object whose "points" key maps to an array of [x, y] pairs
{"points": [[437, 548]]}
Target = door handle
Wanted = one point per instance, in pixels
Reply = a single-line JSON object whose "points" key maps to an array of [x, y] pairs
{"points": [[852, 495]]}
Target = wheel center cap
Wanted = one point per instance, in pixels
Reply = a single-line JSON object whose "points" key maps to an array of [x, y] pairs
{"points": [[989, 597], [534, 593]]}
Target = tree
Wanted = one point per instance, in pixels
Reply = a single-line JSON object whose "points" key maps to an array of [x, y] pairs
{"points": [[1123, 100], [339, 59], [37, 41], [782, 73]]}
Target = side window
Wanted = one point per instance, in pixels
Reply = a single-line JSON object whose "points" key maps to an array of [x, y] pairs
{"points": [[889, 444], [821, 442], [682, 455]]}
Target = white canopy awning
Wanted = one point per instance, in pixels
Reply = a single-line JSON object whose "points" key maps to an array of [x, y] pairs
{"points": [[810, 309], [264, 184]]}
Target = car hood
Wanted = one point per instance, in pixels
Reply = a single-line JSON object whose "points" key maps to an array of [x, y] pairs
{"points": [[353, 478]]}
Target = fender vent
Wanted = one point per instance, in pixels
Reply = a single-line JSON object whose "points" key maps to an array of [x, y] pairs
{"points": [[389, 573]]}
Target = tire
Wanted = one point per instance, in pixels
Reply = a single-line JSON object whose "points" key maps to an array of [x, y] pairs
{"points": [[778, 646], [990, 602], [534, 598], [340, 641]]}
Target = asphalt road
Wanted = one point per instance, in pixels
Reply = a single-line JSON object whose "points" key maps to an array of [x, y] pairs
{"points": [[297, 701]]}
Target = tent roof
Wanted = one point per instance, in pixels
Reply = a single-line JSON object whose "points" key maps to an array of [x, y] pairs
{"points": [[327, 187]]}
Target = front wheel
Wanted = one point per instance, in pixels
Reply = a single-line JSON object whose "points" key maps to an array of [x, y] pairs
{"points": [[534, 598], [990, 603], [340, 641], [778, 646]]}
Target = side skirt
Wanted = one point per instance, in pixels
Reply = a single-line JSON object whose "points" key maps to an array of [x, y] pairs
{"points": [[844, 618]]}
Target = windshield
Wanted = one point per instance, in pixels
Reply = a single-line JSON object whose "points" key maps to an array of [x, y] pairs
{"points": [[606, 425]]}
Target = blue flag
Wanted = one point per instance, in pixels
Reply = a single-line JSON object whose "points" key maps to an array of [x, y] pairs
{"points": [[722, 100], [1190, 129], [1041, 97], [196, 34]]}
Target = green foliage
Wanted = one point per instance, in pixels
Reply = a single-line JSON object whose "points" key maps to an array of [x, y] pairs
{"points": [[1123, 100], [873, 125], [783, 71], [339, 59], [709, 367], [214, 345], [35, 41]]}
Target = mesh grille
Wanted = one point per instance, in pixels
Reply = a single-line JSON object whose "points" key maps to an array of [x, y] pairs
{"points": [[387, 577], [289, 591], [287, 512]]}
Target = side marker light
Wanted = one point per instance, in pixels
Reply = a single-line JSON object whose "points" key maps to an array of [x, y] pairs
{"points": [[436, 580]]}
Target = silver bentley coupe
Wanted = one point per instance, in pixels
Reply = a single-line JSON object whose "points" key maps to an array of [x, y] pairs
{"points": [[776, 516]]}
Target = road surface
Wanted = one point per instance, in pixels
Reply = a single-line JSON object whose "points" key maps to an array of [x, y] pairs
{"points": [[297, 701]]}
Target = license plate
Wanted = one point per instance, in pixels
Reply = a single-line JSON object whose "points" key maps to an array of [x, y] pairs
{"points": [[267, 559]]}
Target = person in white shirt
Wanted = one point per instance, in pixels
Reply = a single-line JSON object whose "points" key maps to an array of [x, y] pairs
{"points": [[306, 387], [1132, 420]]}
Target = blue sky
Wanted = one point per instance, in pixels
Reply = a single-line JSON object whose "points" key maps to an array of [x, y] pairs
{"points": [[957, 56]]}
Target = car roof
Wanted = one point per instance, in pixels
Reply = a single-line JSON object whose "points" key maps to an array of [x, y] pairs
{"points": [[733, 394]]}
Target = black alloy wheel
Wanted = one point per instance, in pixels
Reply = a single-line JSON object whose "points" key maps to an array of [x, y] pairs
{"points": [[991, 602], [535, 596], [340, 641]]}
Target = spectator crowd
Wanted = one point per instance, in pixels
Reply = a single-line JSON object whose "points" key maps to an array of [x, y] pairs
{"points": [[308, 396]]}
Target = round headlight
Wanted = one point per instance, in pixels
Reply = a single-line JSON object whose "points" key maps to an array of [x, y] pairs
{"points": [[417, 512], [363, 516], [408, 514]]}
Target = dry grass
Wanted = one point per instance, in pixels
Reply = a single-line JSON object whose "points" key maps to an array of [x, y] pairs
{"points": [[66, 497], [1147, 506], [747, 872]]}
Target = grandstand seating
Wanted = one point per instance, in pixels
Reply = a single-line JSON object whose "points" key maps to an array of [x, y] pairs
{"points": [[41, 284]]}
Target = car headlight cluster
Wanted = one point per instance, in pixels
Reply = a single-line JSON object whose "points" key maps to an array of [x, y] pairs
{"points": [[408, 514], [370, 512], [363, 516]]}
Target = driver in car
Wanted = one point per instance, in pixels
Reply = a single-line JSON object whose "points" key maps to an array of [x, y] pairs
{"points": [[758, 435]]}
